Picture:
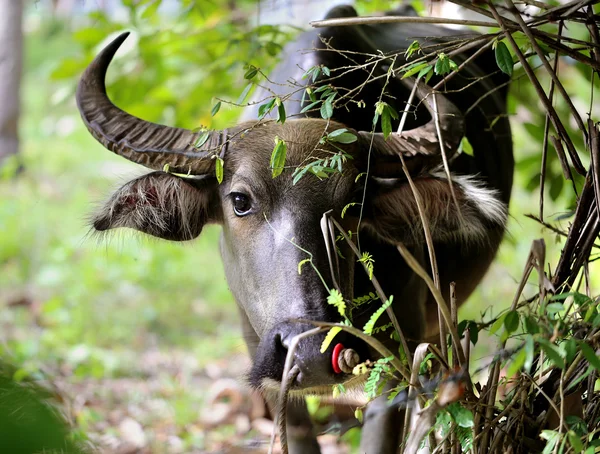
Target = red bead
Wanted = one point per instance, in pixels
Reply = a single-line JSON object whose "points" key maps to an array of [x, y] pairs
{"points": [[334, 358]]}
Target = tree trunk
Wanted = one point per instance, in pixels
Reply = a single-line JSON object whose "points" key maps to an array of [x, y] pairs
{"points": [[11, 60]]}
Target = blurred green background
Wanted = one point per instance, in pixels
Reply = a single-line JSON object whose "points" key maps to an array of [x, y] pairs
{"points": [[132, 328]]}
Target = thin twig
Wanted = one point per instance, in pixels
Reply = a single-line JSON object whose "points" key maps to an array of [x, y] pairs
{"points": [[437, 295], [340, 22], [540, 91], [546, 131]]}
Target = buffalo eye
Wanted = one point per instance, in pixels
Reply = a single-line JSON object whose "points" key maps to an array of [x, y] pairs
{"points": [[241, 204]]}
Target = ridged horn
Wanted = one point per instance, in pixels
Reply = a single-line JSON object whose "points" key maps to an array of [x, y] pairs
{"points": [[420, 147], [140, 141]]}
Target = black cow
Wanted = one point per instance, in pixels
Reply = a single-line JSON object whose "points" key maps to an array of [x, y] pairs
{"points": [[270, 224]]}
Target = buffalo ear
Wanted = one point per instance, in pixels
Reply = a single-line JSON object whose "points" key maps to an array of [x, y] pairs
{"points": [[392, 212], [162, 205]]}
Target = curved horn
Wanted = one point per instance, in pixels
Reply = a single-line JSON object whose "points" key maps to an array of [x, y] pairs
{"points": [[140, 141], [420, 146]]}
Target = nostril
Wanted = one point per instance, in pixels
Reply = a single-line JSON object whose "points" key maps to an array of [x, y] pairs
{"points": [[281, 343]]}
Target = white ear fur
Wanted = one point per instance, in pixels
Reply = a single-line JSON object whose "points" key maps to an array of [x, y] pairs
{"points": [[476, 211]]}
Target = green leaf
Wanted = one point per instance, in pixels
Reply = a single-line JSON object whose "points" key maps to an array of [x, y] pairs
{"points": [[281, 113], [552, 437], [327, 109], [462, 416], [202, 138], [530, 351], [531, 325], [387, 112], [415, 68], [219, 170], [414, 47], [370, 325], [511, 321], [244, 94], [272, 48], [554, 308], [504, 59], [265, 108], [552, 352], [442, 65], [351, 204], [329, 338], [310, 106], [427, 71], [251, 73], [466, 147], [336, 300], [570, 347], [517, 362], [341, 136], [358, 414], [499, 323], [590, 355], [215, 109], [575, 441], [300, 263], [278, 157]]}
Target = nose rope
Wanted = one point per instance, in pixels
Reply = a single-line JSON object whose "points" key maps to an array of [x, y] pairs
{"points": [[344, 359], [282, 413]]}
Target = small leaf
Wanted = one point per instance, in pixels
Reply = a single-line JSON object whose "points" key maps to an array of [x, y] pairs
{"points": [[281, 113], [590, 355], [552, 352], [414, 47], [570, 347], [215, 109], [351, 204], [554, 308], [415, 68], [326, 71], [219, 170], [427, 70], [244, 94], [336, 300], [466, 147], [370, 325], [517, 362], [329, 338], [300, 263], [202, 138], [504, 59], [462, 416], [530, 351], [327, 109], [265, 108], [575, 441], [251, 73], [531, 325], [278, 157], [310, 106], [511, 321], [341, 136], [358, 414], [499, 323], [442, 65], [272, 48]]}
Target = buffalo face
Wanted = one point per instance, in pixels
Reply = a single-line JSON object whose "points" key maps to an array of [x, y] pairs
{"points": [[271, 225]]}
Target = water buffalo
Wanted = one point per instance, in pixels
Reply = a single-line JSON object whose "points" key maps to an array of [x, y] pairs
{"points": [[271, 224]]}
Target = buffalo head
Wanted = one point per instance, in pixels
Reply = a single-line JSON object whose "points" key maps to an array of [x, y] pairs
{"points": [[271, 224]]}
